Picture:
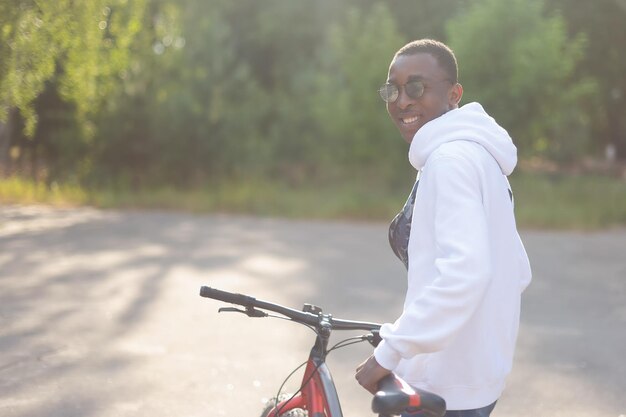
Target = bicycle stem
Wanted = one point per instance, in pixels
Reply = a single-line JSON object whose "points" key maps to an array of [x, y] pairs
{"points": [[320, 348]]}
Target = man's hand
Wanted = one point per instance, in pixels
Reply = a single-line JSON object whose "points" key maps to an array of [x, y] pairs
{"points": [[369, 373]]}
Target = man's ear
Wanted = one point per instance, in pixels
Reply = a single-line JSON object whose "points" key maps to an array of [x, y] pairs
{"points": [[455, 94]]}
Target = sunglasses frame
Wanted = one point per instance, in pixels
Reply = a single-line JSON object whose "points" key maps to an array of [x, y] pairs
{"points": [[413, 88], [409, 88]]}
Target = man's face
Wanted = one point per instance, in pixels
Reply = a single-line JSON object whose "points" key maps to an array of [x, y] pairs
{"points": [[439, 95]]}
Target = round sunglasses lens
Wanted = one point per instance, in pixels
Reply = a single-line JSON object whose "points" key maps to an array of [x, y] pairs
{"points": [[388, 92], [414, 89]]}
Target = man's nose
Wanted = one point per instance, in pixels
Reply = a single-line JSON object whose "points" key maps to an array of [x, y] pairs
{"points": [[403, 101]]}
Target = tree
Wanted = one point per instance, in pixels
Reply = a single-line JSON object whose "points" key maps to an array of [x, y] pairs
{"points": [[77, 48], [357, 134], [521, 65], [424, 19], [603, 22], [190, 109]]}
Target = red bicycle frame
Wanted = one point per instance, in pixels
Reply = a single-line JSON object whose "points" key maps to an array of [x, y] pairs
{"points": [[317, 393]]}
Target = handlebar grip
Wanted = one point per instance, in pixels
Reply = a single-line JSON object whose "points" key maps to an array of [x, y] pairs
{"points": [[228, 297]]}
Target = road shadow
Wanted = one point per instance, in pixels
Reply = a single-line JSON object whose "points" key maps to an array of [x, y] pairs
{"points": [[100, 313]]}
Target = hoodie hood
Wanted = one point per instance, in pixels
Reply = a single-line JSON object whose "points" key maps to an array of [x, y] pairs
{"points": [[469, 122]]}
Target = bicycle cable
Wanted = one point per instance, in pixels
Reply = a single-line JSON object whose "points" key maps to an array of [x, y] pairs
{"points": [[293, 321], [338, 345], [277, 414], [351, 340]]}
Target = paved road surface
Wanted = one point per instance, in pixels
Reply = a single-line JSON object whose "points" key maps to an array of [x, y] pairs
{"points": [[100, 317]]}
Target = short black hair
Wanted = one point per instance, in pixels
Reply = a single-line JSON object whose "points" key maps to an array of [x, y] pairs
{"points": [[439, 50]]}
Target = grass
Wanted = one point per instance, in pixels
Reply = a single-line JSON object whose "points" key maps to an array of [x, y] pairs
{"points": [[17, 190], [560, 201], [542, 200], [264, 198]]}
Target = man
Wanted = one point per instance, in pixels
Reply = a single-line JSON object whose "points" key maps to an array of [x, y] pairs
{"points": [[466, 264]]}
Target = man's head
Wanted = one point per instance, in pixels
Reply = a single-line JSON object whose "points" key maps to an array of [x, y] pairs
{"points": [[422, 85]]}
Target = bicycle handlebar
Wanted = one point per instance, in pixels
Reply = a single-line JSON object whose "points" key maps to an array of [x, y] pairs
{"points": [[229, 297], [296, 315], [394, 396]]}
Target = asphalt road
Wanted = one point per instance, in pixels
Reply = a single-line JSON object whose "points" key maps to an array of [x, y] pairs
{"points": [[100, 313]]}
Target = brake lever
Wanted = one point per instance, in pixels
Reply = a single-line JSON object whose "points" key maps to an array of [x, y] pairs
{"points": [[249, 311], [374, 338]]}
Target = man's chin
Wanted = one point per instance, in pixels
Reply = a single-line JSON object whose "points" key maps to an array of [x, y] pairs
{"points": [[408, 135]]}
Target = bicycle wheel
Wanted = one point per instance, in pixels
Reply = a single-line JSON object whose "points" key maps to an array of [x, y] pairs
{"points": [[297, 412]]}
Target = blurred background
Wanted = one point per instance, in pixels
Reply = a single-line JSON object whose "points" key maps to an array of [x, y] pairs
{"points": [[270, 107]]}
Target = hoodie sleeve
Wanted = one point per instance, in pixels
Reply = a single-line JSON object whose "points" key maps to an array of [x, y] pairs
{"points": [[462, 263]]}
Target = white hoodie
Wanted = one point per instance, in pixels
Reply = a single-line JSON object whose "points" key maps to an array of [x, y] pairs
{"points": [[467, 264]]}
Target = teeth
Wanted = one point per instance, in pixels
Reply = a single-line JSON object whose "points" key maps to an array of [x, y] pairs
{"points": [[410, 120]]}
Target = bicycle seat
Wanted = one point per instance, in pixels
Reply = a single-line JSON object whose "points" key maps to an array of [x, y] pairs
{"points": [[395, 396]]}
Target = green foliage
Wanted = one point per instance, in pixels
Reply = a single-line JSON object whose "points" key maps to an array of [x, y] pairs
{"points": [[18, 191], [424, 18], [78, 46], [190, 107], [569, 201], [353, 120], [541, 200], [272, 99], [172, 93], [522, 66], [603, 22], [28, 54]]}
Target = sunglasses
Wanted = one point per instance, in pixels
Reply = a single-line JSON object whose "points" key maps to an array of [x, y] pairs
{"points": [[389, 92]]}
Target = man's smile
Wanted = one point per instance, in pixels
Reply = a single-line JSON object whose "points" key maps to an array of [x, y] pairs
{"points": [[409, 120]]}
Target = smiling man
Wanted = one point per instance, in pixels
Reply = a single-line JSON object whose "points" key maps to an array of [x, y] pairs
{"points": [[457, 236], [429, 81]]}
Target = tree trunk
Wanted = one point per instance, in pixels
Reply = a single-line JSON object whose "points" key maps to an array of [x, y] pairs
{"points": [[5, 145], [617, 130]]}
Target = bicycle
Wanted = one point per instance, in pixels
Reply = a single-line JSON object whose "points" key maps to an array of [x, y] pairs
{"points": [[317, 395]]}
